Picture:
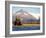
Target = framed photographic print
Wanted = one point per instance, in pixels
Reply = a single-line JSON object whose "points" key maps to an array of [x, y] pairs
{"points": [[24, 18]]}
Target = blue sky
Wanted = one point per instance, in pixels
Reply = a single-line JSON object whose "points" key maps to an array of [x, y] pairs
{"points": [[27, 9]]}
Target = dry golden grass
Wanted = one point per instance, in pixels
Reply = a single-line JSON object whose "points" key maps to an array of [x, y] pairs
{"points": [[30, 24], [27, 25]]}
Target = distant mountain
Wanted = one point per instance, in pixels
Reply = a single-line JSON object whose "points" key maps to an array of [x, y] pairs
{"points": [[36, 15], [26, 15]]}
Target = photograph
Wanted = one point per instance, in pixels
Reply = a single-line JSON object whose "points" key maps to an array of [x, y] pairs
{"points": [[25, 18]]}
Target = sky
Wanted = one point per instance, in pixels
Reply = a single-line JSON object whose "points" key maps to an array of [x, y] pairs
{"points": [[27, 9]]}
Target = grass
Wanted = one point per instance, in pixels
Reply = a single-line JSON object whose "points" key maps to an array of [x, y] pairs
{"points": [[27, 25]]}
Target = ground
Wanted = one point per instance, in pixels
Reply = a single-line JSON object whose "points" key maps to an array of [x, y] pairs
{"points": [[26, 27]]}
